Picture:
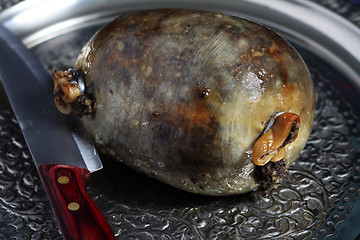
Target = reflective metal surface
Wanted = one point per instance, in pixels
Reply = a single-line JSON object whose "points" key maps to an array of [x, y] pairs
{"points": [[320, 197], [33, 106], [322, 31]]}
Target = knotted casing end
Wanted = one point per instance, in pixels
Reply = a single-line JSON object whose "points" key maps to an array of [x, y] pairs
{"points": [[270, 146], [69, 93]]}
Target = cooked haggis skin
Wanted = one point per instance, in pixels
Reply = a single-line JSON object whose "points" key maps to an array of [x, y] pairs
{"points": [[184, 96]]}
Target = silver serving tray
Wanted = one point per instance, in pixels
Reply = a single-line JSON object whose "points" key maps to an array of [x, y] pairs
{"points": [[318, 199]]}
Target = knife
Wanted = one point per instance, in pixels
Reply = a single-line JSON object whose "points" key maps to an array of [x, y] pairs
{"points": [[63, 157]]}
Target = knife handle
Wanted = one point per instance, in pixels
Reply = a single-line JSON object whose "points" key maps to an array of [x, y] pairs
{"points": [[77, 214]]}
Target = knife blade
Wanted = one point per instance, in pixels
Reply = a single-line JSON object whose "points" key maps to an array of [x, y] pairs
{"points": [[63, 157]]}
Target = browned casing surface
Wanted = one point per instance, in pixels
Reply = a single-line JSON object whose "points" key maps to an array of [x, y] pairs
{"points": [[182, 95]]}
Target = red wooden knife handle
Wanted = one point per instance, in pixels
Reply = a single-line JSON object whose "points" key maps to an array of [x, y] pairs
{"points": [[78, 216]]}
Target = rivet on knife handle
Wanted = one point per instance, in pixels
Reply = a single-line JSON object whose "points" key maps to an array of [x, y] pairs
{"points": [[78, 215]]}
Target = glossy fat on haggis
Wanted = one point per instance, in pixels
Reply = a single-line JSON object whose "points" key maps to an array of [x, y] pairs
{"points": [[182, 95]]}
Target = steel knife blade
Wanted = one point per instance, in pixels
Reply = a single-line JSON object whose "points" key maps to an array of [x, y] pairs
{"points": [[63, 157]]}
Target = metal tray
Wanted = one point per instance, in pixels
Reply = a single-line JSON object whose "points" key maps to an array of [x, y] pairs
{"points": [[319, 198]]}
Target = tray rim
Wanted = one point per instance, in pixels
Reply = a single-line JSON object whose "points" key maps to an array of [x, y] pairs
{"points": [[339, 46]]}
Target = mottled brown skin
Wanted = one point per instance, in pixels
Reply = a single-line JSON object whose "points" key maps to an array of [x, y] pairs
{"points": [[182, 95]]}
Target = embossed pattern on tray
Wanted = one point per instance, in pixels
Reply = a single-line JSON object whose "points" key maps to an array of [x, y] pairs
{"points": [[317, 195]]}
